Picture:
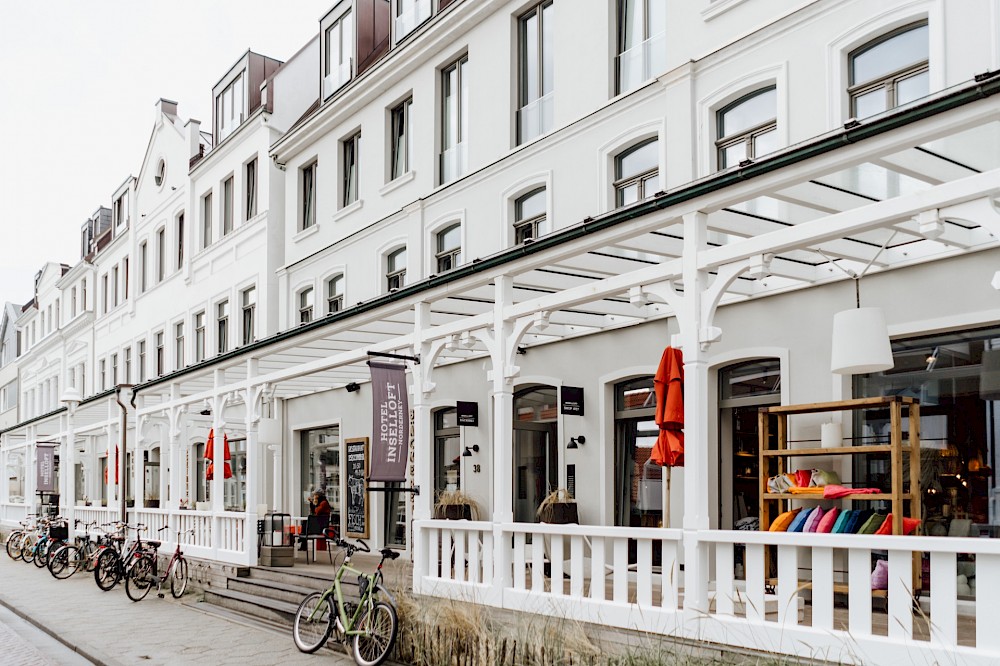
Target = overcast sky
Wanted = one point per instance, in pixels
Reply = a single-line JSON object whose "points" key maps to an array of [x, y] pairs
{"points": [[78, 82]]}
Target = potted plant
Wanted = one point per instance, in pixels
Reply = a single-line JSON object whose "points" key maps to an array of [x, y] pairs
{"points": [[558, 507], [456, 505]]}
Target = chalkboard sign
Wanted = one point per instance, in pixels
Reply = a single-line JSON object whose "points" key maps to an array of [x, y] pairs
{"points": [[356, 504]]}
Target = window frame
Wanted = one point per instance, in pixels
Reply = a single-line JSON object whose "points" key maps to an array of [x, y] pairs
{"points": [[400, 142], [889, 81], [346, 52], [206, 220], [199, 337], [307, 195], [222, 129], [621, 183], [334, 293], [180, 240], [395, 277], [526, 97], [748, 135], [228, 201], [451, 256], [159, 342], [533, 223], [458, 115], [250, 189], [305, 302], [179, 344], [222, 312], [350, 159], [248, 331]]}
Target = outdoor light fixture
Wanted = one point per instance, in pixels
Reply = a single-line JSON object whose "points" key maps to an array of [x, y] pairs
{"points": [[353, 387], [860, 336], [206, 412], [469, 450], [575, 442]]}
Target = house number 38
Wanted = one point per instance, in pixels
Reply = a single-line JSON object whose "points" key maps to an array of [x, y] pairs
{"points": [[476, 469]]}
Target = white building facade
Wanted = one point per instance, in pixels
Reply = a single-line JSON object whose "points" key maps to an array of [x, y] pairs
{"points": [[628, 175]]}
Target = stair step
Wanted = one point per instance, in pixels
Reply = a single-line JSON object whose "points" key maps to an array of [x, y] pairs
{"points": [[272, 610], [270, 589]]}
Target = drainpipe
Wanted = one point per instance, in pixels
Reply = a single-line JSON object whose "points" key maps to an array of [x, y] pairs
{"points": [[128, 392]]}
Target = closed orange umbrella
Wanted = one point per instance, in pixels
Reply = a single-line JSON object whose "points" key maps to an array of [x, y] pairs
{"points": [[669, 385], [116, 467], [210, 455]]}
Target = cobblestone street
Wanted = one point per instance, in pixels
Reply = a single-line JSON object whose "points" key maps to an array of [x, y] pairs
{"points": [[22, 644]]}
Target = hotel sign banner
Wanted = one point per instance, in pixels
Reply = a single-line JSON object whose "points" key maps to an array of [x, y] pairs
{"points": [[45, 468], [390, 422]]}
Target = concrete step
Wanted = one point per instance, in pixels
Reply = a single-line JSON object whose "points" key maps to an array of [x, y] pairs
{"points": [[298, 576], [270, 610], [269, 589]]}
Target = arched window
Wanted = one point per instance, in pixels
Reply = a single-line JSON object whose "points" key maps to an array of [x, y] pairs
{"points": [[306, 305], [395, 269], [449, 248], [748, 127], [335, 294], [637, 173], [530, 219], [889, 71]]}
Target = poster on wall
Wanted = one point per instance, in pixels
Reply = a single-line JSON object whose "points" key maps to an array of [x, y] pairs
{"points": [[390, 422], [45, 468], [356, 498]]}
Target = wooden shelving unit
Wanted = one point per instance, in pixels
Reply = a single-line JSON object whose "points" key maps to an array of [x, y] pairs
{"points": [[772, 504]]}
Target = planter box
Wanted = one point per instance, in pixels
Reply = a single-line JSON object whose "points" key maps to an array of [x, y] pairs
{"points": [[457, 512], [560, 513], [277, 556]]}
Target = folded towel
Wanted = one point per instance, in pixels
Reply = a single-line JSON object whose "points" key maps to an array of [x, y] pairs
{"points": [[833, 491]]}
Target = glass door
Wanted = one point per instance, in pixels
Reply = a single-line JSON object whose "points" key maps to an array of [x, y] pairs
{"points": [[535, 471]]}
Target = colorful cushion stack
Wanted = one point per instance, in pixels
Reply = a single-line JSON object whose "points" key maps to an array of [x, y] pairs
{"points": [[782, 522]]}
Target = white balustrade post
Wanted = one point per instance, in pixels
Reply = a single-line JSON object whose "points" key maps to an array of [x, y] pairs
{"points": [[423, 453], [139, 448], [696, 471], [112, 467], [276, 502], [502, 395]]}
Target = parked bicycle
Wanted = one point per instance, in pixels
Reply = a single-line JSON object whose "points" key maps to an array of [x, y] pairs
{"points": [[51, 532], [371, 622], [144, 573], [15, 540], [113, 564], [80, 555]]}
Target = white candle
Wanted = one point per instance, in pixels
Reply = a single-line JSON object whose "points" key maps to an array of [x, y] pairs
{"points": [[831, 435]]}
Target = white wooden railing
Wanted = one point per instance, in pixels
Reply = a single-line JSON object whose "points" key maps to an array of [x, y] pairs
{"points": [[783, 600], [12, 514]]}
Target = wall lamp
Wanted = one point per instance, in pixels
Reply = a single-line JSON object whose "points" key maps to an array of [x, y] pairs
{"points": [[353, 387], [469, 450], [576, 442]]}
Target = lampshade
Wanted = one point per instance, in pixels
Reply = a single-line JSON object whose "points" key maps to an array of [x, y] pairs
{"points": [[269, 431], [860, 342]]}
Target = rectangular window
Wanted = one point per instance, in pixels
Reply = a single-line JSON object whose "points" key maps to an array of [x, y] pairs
{"points": [[339, 43], [72, 303], [125, 278], [308, 195], [178, 345], [222, 326], [454, 120], [534, 116], [114, 369], [114, 286], [83, 294], [104, 293], [120, 211], [206, 220], [400, 139], [230, 107], [335, 294], [161, 254], [103, 374], [141, 357], [349, 187], [160, 364], [128, 365], [305, 306], [250, 175], [410, 14], [249, 304], [642, 42], [142, 267], [199, 337], [180, 241], [227, 206]]}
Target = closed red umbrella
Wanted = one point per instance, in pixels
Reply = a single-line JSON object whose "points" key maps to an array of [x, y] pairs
{"points": [[116, 467], [210, 456], [669, 386]]}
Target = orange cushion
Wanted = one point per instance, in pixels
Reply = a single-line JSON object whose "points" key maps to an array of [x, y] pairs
{"points": [[782, 522], [909, 525]]}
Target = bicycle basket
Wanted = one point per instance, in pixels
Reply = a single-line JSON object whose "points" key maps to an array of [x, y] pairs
{"points": [[59, 532], [363, 583]]}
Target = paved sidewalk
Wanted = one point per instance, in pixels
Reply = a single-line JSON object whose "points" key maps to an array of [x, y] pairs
{"points": [[108, 628]]}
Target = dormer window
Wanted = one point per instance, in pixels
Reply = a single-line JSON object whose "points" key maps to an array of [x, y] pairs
{"points": [[119, 209], [338, 42], [410, 14], [230, 107]]}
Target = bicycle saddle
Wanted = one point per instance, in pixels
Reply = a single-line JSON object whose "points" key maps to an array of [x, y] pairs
{"points": [[389, 553], [151, 543]]}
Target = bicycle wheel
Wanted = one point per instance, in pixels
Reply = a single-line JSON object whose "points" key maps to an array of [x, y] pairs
{"points": [[139, 578], [88, 553], [108, 569], [14, 542], [28, 548], [178, 578], [313, 622], [379, 626], [59, 562]]}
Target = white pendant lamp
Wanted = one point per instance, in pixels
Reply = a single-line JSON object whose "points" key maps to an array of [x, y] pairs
{"points": [[860, 341]]}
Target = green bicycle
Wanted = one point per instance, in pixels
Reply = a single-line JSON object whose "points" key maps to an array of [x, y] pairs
{"points": [[371, 623]]}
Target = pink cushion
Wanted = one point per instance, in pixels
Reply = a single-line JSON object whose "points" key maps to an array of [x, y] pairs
{"points": [[813, 521], [826, 522]]}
